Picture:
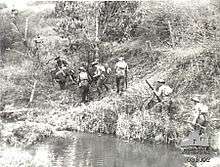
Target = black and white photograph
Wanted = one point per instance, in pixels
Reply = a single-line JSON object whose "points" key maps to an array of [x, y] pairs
{"points": [[110, 83]]}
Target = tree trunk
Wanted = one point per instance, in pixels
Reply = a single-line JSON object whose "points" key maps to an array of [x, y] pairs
{"points": [[26, 29], [97, 29]]}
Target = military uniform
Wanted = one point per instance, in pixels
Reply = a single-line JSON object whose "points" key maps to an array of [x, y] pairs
{"points": [[62, 71], [37, 40], [83, 81], [108, 75], [121, 69], [62, 67], [100, 76], [164, 93], [200, 112]]}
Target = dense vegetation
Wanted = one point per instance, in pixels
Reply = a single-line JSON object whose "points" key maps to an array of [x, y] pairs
{"points": [[179, 42]]}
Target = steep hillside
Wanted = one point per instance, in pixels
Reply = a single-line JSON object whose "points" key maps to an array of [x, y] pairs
{"points": [[127, 115], [188, 70]]}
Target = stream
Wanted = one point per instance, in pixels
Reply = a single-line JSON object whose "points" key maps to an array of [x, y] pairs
{"points": [[88, 150]]}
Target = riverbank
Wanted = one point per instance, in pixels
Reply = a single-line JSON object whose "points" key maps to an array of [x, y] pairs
{"points": [[83, 149], [125, 116]]}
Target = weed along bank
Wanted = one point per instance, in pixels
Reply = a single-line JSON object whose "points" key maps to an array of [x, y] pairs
{"points": [[109, 83]]}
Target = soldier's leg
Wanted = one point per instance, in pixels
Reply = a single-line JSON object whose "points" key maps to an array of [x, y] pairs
{"points": [[105, 84], [122, 83], [117, 83], [83, 94], [167, 108], [87, 92], [165, 112], [112, 81], [99, 86]]}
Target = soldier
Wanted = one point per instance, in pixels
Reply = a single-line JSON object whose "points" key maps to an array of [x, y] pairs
{"points": [[62, 72], [61, 66], [108, 70], [163, 94], [100, 76], [200, 113], [37, 41], [108, 74], [121, 69], [83, 81], [14, 15], [164, 91], [60, 63], [94, 69]]}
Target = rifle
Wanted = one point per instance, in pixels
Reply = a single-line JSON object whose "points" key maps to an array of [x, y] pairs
{"points": [[158, 98], [203, 127]]}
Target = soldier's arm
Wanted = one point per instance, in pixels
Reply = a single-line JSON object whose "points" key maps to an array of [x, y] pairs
{"points": [[65, 63], [159, 92], [78, 79], [195, 116], [89, 77], [116, 67], [97, 72], [127, 67], [109, 70]]}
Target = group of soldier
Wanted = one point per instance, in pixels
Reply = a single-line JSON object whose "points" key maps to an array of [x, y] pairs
{"points": [[100, 74], [199, 115]]}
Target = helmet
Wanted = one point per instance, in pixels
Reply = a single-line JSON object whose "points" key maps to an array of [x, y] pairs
{"points": [[82, 69], [161, 80], [94, 63], [196, 99], [121, 58]]}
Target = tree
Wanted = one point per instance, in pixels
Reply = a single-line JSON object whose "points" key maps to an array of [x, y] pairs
{"points": [[7, 35], [88, 25]]}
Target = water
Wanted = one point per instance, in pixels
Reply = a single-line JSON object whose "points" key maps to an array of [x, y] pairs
{"points": [[86, 150]]}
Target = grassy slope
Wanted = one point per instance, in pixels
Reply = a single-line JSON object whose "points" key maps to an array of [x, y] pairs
{"points": [[124, 115]]}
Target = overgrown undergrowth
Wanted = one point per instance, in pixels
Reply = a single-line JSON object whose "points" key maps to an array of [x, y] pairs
{"points": [[126, 116]]}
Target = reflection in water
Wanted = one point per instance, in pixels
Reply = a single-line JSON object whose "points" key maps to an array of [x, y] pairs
{"points": [[86, 150]]}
